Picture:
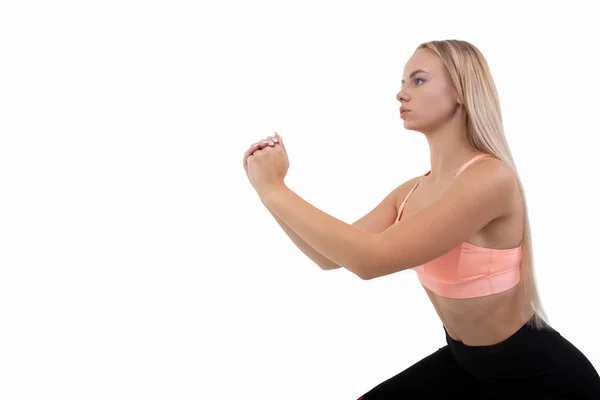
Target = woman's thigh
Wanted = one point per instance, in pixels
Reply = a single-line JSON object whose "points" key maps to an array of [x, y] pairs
{"points": [[436, 376]]}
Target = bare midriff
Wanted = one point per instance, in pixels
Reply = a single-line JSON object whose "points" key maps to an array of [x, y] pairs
{"points": [[481, 321]]}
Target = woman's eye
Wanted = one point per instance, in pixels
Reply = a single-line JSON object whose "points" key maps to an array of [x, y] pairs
{"points": [[416, 80]]}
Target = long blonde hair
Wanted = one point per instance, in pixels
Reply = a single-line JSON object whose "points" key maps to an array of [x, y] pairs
{"points": [[475, 86]]}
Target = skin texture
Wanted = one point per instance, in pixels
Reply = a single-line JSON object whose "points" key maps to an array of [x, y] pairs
{"points": [[482, 206]]}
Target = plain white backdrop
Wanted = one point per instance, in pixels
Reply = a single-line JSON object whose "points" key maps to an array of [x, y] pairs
{"points": [[137, 262]]}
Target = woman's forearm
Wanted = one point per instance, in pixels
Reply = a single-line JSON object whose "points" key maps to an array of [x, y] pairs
{"points": [[318, 258]]}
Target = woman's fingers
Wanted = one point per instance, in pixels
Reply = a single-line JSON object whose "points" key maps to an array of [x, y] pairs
{"points": [[269, 141]]}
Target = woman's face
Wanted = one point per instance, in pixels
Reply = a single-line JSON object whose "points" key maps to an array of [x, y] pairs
{"points": [[427, 92]]}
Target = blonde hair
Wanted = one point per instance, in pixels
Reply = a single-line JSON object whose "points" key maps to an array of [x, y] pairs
{"points": [[475, 86]]}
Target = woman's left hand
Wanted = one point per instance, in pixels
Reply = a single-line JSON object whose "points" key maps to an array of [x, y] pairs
{"points": [[267, 166]]}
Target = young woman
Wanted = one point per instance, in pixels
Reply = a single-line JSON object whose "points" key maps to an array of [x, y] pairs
{"points": [[463, 227]]}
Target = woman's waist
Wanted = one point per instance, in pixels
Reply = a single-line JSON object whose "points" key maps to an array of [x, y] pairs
{"points": [[480, 321]]}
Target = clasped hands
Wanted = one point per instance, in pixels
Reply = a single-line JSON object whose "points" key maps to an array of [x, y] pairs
{"points": [[266, 163]]}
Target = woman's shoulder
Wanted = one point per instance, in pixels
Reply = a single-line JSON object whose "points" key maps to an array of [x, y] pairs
{"points": [[404, 188]]}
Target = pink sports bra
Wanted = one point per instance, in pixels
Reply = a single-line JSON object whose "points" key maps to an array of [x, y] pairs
{"points": [[468, 270]]}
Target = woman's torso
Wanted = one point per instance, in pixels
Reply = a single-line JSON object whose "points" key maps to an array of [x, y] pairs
{"points": [[483, 320]]}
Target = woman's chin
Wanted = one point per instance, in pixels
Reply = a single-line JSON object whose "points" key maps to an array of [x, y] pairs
{"points": [[410, 126]]}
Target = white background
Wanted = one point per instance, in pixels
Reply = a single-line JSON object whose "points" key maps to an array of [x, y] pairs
{"points": [[137, 262]]}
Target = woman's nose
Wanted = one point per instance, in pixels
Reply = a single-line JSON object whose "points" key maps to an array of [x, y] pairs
{"points": [[401, 96]]}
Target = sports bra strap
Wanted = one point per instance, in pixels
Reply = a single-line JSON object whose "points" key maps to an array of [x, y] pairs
{"points": [[465, 165], [471, 161]]}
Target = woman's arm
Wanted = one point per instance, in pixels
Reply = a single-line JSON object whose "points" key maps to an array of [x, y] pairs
{"points": [[346, 245], [476, 197], [318, 258], [379, 219]]}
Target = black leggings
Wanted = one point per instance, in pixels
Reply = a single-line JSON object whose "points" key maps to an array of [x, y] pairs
{"points": [[530, 364]]}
